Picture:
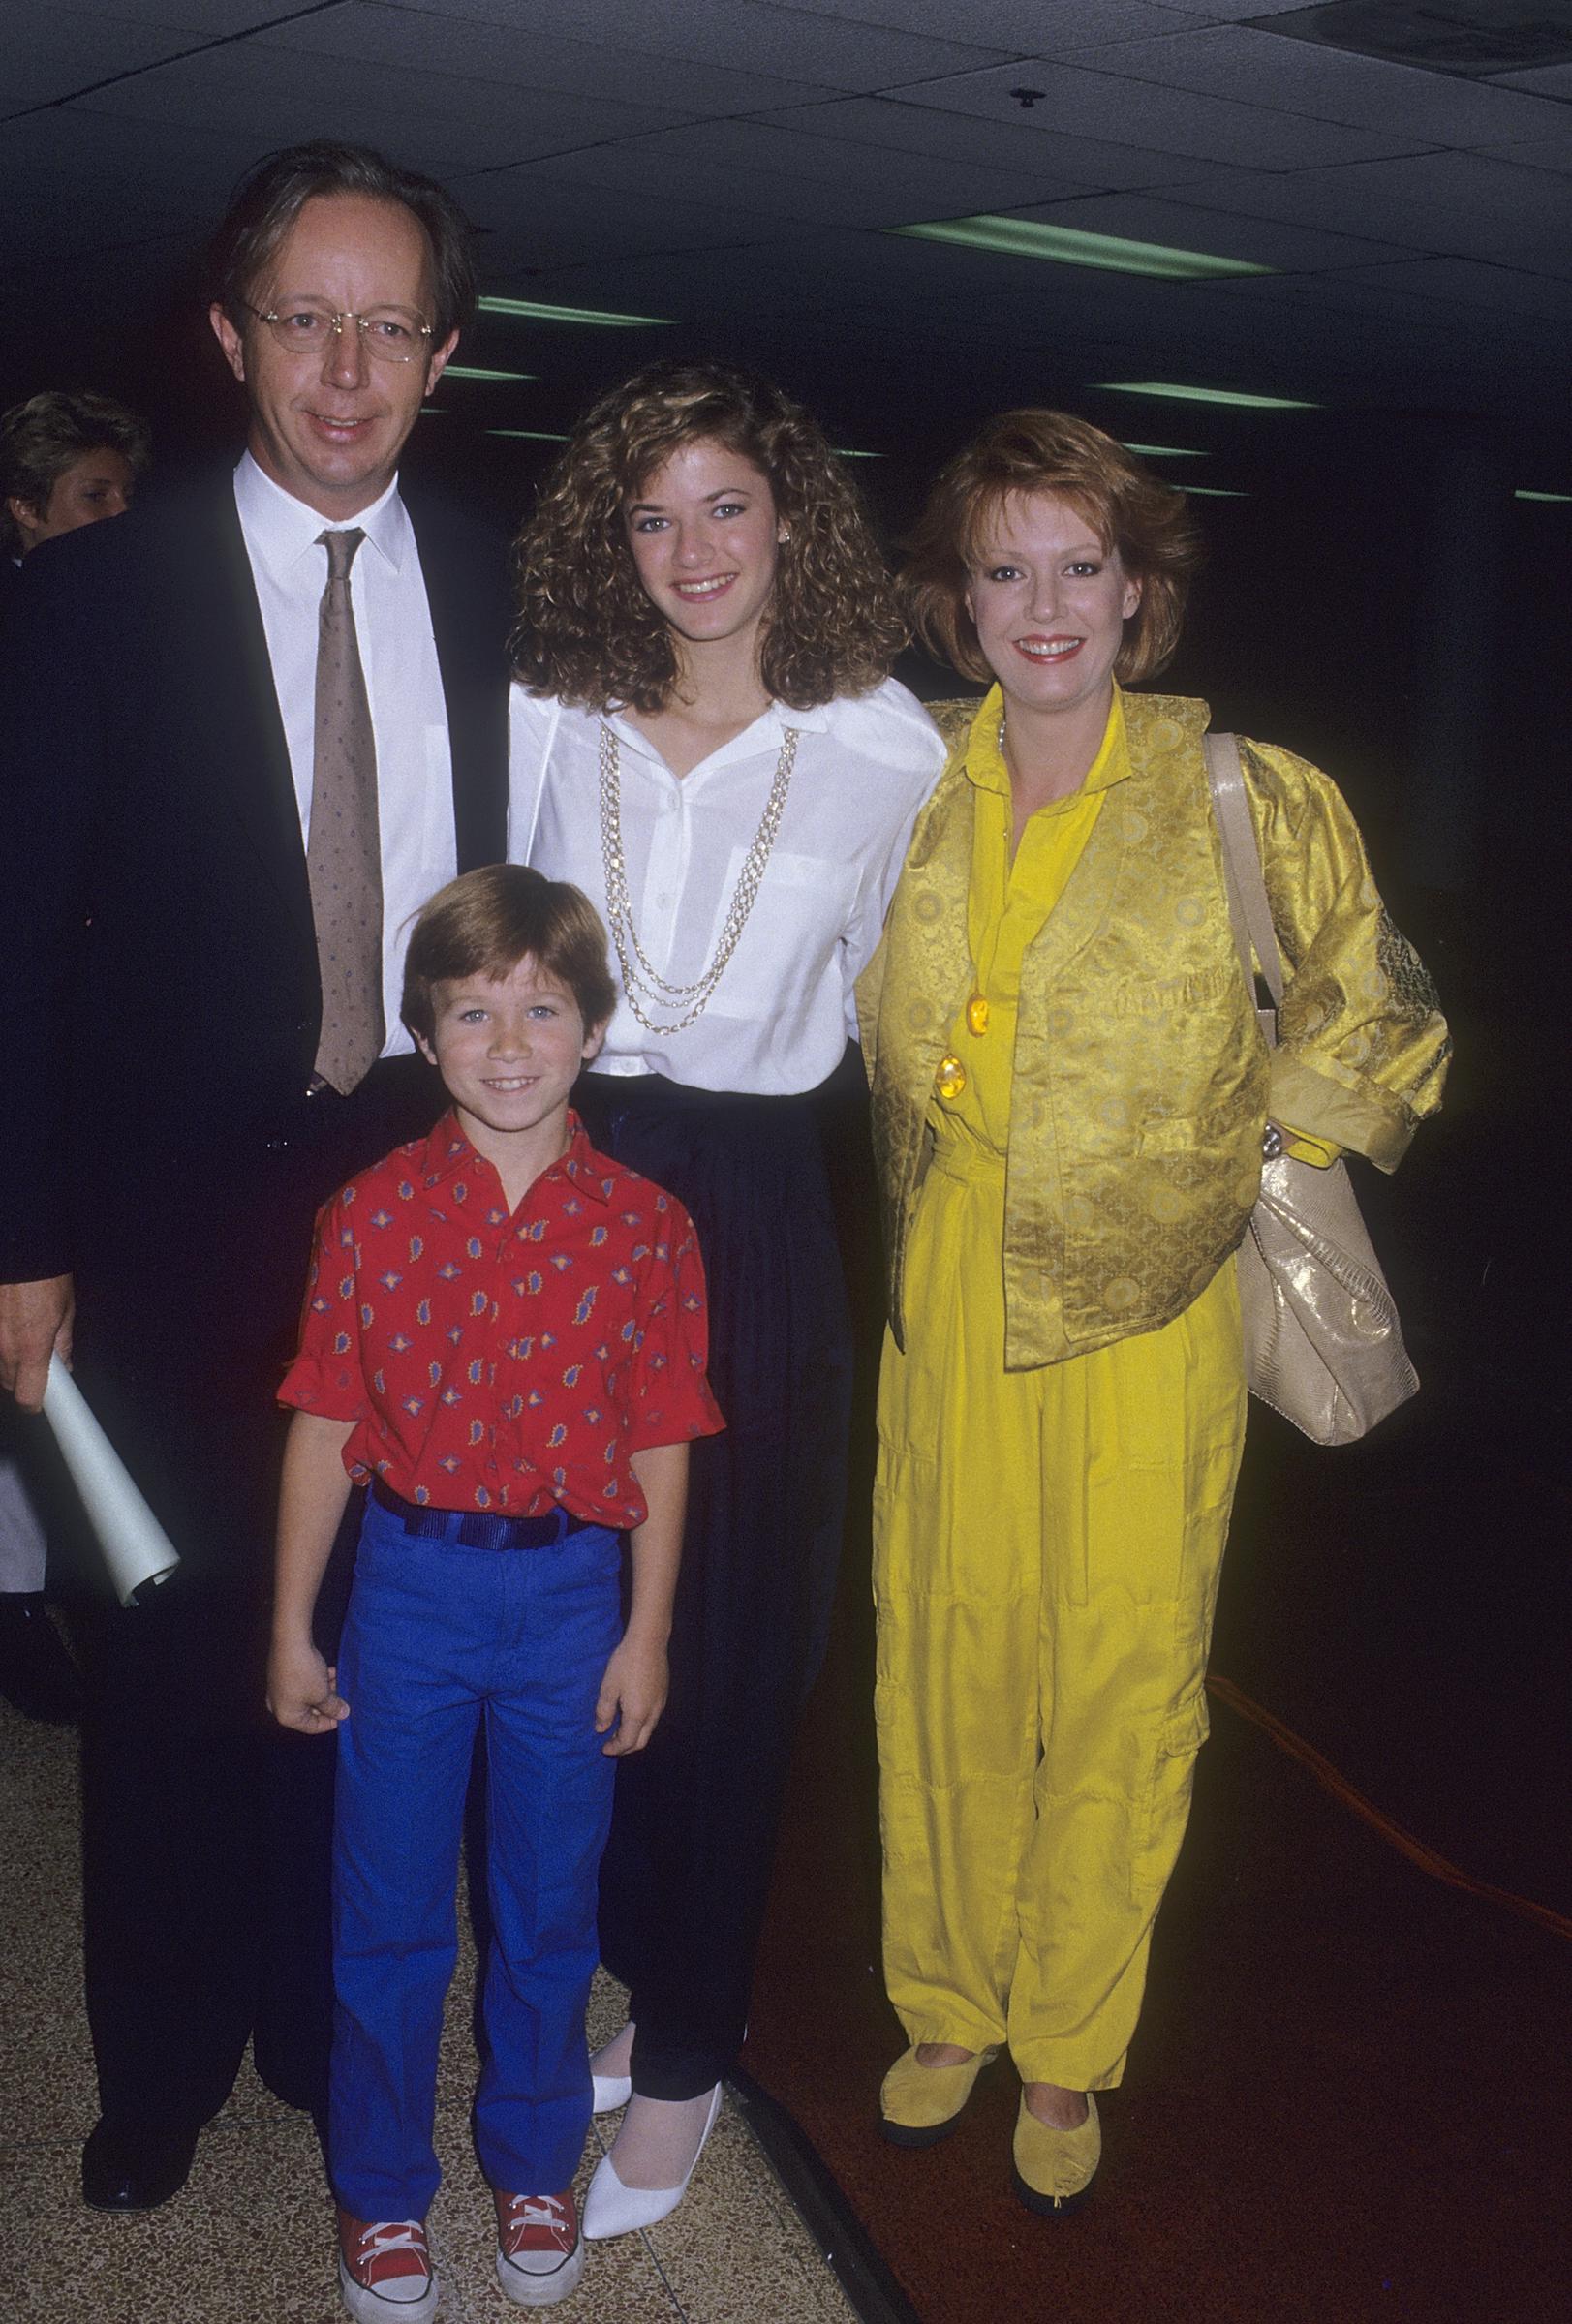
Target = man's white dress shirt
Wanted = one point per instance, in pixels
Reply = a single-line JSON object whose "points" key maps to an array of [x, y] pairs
{"points": [[398, 653], [779, 1021]]}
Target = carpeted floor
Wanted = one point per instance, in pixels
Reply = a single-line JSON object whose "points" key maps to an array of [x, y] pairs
{"points": [[1348, 2096]]}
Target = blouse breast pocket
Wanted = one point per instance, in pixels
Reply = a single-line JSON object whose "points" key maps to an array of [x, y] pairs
{"points": [[789, 946]]}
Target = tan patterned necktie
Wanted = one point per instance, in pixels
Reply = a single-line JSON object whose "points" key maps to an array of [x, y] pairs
{"points": [[344, 851]]}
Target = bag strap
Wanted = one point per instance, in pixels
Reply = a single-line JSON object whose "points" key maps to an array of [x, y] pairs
{"points": [[1255, 937]]}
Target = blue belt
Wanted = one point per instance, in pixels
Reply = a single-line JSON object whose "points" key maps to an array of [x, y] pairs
{"points": [[477, 1528]]}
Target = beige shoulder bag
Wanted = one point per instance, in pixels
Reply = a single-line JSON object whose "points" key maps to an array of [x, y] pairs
{"points": [[1322, 1341]]}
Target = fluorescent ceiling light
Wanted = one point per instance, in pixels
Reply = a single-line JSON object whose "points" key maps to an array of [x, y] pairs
{"points": [[844, 452], [1208, 395], [531, 310], [1212, 492], [479, 371], [1072, 246], [1542, 496], [529, 435], [1166, 451]]}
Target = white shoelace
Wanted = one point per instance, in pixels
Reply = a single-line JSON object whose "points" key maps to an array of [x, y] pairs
{"points": [[538, 2211]]}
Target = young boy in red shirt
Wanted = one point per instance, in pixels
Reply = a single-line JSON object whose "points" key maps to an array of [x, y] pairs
{"points": [[505, 1339]]}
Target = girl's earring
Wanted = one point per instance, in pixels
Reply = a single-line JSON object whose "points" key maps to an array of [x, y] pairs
{"points": [[782, 536]]}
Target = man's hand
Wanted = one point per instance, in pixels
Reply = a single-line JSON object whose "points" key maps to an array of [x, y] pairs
{"points": [[633, 1694], [34, 1321], [303, 1690]]}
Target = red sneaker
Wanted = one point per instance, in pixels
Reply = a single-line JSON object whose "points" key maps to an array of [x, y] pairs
{"points": [[539, 2250], [385, 2270]]}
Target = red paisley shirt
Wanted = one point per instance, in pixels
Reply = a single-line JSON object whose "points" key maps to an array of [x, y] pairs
{"points": [[504, 1362]]}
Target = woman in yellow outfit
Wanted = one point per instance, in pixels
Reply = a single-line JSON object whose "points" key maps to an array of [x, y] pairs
{"points": [[1070, 1093]]}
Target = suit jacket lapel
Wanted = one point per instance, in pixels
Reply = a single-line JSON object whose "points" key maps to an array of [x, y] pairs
{"points": [[468, 622], [239, 702]]}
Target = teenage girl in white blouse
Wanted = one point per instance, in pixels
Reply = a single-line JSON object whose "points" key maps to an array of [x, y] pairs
{"points": [[707, 741]]}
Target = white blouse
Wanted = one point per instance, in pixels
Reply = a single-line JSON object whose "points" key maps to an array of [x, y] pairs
{"points": [[779, 1020]]}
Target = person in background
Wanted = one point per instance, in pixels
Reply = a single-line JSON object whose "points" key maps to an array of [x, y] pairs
{"points": [[248, 729], [1071, 1092], [66, 459], [707, 741]]}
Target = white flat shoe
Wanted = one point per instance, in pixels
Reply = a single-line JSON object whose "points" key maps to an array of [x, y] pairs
{"points": [[612, 2209]]}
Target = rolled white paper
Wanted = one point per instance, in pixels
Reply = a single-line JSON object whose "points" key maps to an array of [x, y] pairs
{"points": [[135, 1547]]}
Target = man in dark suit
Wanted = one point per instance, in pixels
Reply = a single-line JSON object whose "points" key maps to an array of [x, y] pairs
{"points": [[249, 729]]}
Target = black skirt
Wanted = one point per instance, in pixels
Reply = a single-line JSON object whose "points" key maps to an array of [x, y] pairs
{"points": [[773, 1186]]}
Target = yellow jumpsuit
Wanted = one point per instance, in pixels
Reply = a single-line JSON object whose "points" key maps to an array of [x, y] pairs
{"points": [[1047, 1544]]}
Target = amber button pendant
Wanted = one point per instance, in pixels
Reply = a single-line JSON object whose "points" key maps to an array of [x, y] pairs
{"points": [[950, 1079], [976, 1013]]}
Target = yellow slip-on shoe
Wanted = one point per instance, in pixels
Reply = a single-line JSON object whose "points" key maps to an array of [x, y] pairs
{"points": [[1054, 2169], [919, 2104]]}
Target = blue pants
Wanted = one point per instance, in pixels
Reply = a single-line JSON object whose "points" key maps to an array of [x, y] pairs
{"points": [[438, 1635]]}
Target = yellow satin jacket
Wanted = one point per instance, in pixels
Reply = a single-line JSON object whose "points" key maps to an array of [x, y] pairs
{"points": [[1142, 1082]]}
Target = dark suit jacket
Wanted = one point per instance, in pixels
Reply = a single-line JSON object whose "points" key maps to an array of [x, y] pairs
{"points": [[159, 997]]}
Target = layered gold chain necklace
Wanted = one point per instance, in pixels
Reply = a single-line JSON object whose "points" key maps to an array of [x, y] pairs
{"points": [[640, 978]]}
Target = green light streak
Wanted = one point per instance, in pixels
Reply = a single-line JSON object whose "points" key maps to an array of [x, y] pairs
{"points": [[1072, 246], [531, 310], [1207, 395]]}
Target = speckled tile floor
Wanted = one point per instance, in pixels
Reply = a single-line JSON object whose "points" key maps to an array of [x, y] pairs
{"points": [[251, 2234]]}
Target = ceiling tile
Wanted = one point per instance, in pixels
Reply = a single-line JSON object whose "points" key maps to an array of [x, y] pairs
{"points": [[206, 19], [1456, 203], [1539, 153], [1295, 77], [74, 146], [1465, 283], [887, 187], [628, 88], [921, 127], [51, 53], [734, 200], [1234, 11], [1033, 28], [1550, 80], [1080, 102], [541, 218], [753, 36], [431, 121]]}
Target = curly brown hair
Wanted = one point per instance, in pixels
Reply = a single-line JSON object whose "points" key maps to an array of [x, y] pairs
{"points": [[1130, 510], [587, 631]]}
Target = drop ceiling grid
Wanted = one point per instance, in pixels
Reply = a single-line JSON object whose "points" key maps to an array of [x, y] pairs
{"points": [[749, 190], [1175, 121], [1461, 205], [1295, 77], [466, 44], [779, 42], [434, 122], [756, 165], [922, 124], [49, 53], [1025, 26]]}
